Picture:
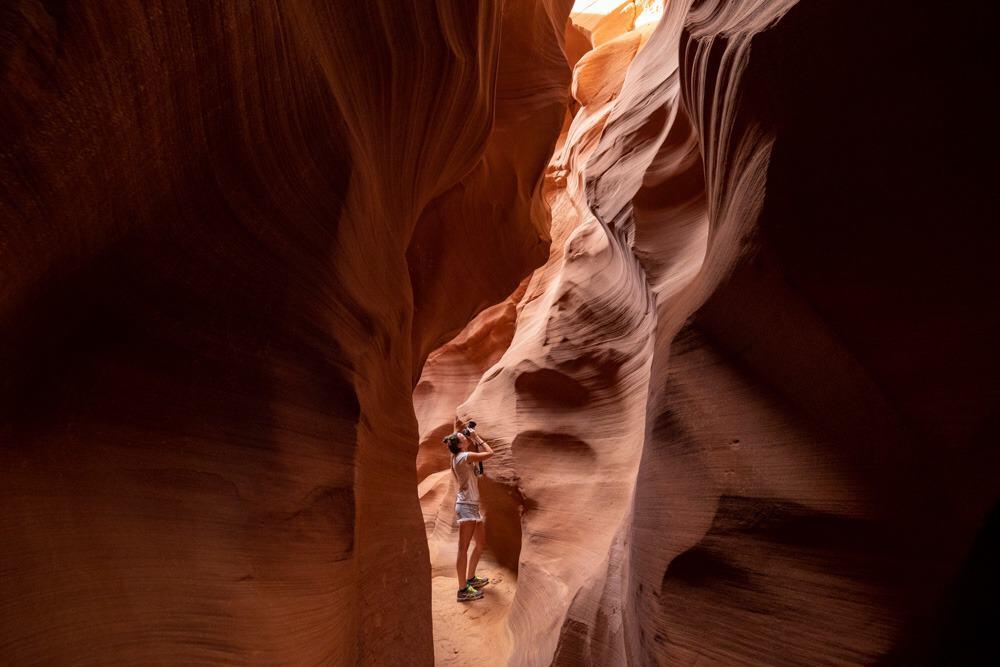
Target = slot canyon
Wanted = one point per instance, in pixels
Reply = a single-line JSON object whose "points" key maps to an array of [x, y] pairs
{"points": [[716, 279]]}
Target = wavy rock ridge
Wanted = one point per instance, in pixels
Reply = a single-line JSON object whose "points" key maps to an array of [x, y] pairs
{"points": [[707, 459]]}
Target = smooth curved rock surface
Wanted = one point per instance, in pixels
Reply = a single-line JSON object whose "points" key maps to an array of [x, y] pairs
{"points": [[217, 293], [785, 454]]}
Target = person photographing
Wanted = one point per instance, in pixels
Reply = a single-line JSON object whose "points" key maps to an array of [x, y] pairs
{"points": [[468, 451]]}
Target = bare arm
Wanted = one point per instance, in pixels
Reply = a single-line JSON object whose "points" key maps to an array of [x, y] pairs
{"points": [[479, 456]]}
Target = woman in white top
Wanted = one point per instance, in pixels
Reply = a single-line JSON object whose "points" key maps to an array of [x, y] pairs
{"points": [[464, 465]]}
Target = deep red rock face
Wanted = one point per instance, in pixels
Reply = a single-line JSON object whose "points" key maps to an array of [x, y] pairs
{"points": [[719, 289], [210, 329]]}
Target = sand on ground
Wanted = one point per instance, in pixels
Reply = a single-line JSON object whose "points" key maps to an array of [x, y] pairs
{"points": [[467, 632]]}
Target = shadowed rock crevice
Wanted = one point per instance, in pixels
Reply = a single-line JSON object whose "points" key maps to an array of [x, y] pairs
{"points": [[765, 561], [503, 505], [547, 386]]}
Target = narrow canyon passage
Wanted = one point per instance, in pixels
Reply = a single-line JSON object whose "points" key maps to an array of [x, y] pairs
{"points": [[535, 409], [464, 632], [716, 279]]}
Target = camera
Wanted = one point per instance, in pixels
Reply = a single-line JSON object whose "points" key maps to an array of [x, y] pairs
{"points": [[452, 439]]}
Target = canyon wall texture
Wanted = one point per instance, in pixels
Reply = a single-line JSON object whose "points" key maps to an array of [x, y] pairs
{"points": [[818, 439], [747, 406], [716, 278], [574, 370], [227, 230]]}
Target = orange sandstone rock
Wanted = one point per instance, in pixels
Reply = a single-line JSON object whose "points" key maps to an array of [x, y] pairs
{"points": [[217, 298]]}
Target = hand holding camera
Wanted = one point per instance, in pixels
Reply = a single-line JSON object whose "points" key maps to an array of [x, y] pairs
{"points": [[470, 432]]}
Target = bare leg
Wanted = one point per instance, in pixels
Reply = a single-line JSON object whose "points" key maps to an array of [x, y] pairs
{"points": [[477, 550], [465, 530]]}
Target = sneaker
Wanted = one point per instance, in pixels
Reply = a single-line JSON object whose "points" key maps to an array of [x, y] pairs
{"points": [[468, 594], [478, 582]]}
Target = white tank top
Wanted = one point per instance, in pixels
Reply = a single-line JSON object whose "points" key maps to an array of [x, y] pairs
{"points": [[468, 485]]}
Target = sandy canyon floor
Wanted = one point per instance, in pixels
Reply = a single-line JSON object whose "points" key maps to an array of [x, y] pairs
{"points": [[473, 632]]}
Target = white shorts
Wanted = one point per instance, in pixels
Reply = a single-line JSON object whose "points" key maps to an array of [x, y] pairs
{"points": [[468, 512]]}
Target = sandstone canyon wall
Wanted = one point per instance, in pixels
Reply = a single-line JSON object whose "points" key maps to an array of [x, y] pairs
{"points": [[717, 283], [217, 289], [805, 444], [722, 412]]}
